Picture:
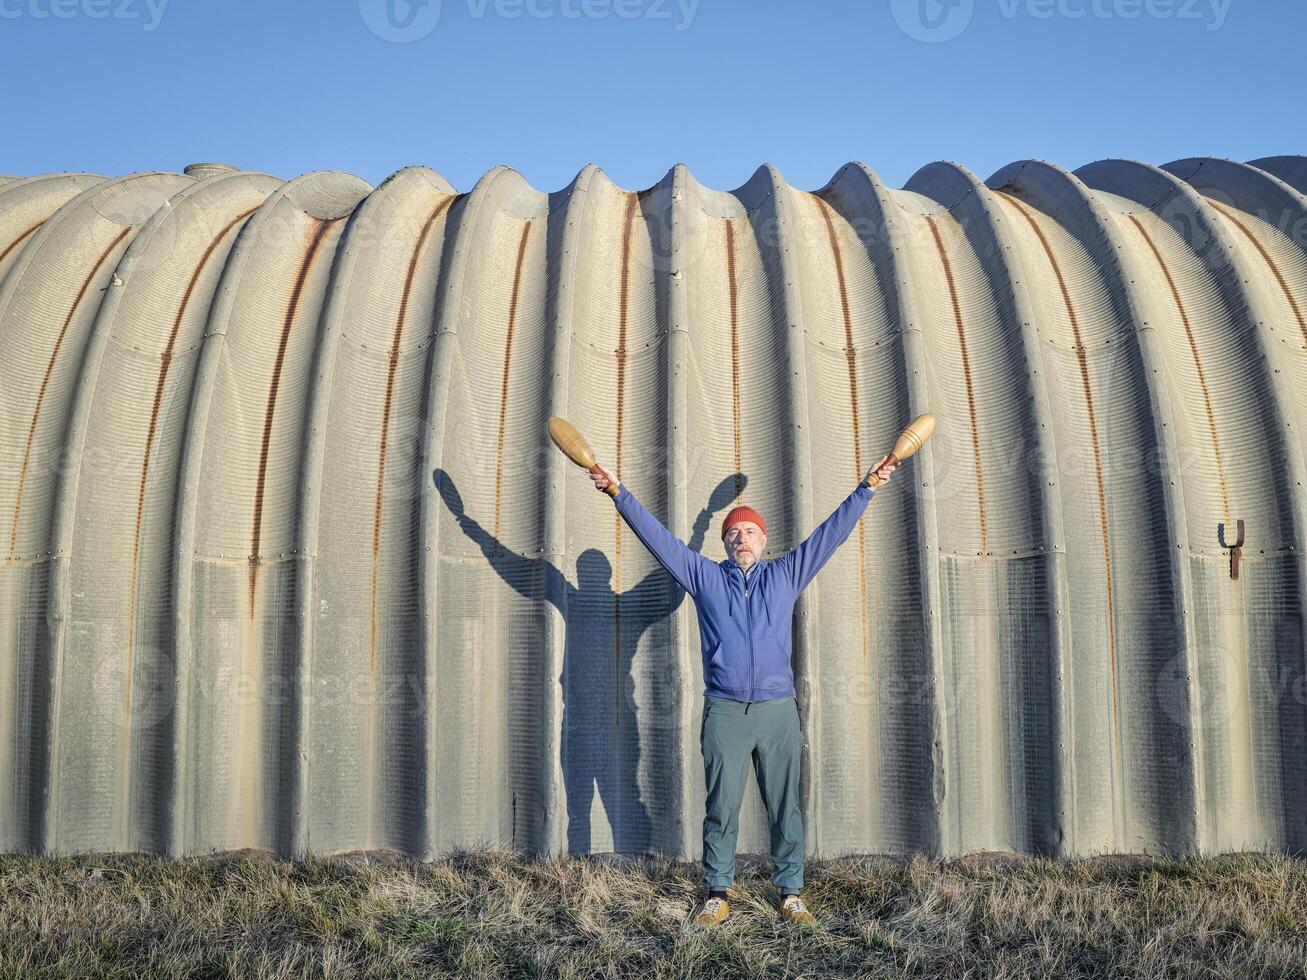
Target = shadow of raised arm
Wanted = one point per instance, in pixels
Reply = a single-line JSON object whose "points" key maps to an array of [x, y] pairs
{"points": [[517, 570], [644, 590]]}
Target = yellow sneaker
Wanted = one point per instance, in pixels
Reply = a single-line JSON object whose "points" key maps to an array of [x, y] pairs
{"points": [[713, 912], [792, 908]]}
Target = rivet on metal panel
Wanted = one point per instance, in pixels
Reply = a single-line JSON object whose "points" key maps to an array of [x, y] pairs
{"points": [[1236, 549]]}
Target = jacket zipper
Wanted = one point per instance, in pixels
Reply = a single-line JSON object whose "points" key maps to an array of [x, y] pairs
{"points": [[749, 616]]}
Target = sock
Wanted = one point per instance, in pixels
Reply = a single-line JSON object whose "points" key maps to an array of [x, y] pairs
{"points": [[788, 891], [717, 894]]}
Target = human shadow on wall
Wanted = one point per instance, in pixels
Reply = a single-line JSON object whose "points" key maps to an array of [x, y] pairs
{"points": [[598, 750]]}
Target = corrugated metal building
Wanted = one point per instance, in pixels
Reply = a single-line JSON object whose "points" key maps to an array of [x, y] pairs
{"points": [[291, 563]]}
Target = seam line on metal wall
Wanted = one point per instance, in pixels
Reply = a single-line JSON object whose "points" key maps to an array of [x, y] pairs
{"points": [[966, 374], [850, 359], [623, 306], [1275, 269], [1198, 364], [165, 364], [323, 225], [45, 381], [1091, 414], [733, 290], [393, 359], [19, 240], [503, 384]]}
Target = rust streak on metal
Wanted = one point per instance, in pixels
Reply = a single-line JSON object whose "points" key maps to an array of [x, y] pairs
{"points": [[731, 279], [18, 241], [1086, 388], [624, 302], [966, 374], [323, 225], [503, 385], [851, 362], [165, 363], [1275, 269], [393, 358], [1198, 365], [45, 382]]}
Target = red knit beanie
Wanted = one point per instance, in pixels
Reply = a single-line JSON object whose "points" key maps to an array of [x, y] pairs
{"points": [[743, 513]]}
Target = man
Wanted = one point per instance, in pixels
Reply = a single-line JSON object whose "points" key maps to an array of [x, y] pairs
{"points": [[745, 605]]}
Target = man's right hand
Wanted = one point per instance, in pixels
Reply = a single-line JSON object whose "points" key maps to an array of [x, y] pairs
{"points": [[604, 477]]}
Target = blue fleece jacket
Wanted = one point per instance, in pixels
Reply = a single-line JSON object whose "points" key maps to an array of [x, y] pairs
{"points": [[744, 621]]}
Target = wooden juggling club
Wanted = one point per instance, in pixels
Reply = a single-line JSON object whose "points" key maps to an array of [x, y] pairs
{"points": [[574, 447], [910, 440]]}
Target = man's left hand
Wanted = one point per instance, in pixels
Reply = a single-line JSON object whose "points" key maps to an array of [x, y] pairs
{"points": [[882, 469]]}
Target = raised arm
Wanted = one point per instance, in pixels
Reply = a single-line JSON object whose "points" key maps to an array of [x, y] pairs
{"points": [[718, 499], [684, 564], [804, 562]]}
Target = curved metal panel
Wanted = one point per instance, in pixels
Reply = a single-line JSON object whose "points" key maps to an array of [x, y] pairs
{"points": [[291, 563]]}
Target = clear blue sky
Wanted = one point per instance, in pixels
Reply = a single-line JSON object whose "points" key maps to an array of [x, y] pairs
{"points": [[635, 86]]}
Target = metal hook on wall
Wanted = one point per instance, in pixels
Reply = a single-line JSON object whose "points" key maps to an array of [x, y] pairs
{"points": [[1236, 549]]}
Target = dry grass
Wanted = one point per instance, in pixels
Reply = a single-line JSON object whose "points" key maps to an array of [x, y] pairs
{"points": [[497, 914]]}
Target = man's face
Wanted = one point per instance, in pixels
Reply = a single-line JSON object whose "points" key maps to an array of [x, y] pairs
{"points": [[745, 543]]}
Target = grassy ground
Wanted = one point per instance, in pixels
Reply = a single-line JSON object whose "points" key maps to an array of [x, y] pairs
{"points": [[497, 914]]}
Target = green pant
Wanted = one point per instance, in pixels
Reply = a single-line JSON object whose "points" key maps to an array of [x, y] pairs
{"points": [[768, 731]]}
